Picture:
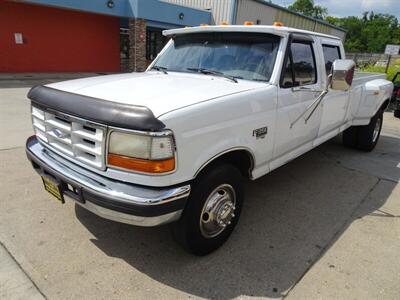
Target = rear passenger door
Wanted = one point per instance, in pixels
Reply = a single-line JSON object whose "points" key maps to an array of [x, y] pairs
{"points": [[299, 78], [335, 103]]}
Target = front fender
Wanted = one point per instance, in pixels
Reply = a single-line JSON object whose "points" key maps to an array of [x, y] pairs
{"points": [[210, 129]]}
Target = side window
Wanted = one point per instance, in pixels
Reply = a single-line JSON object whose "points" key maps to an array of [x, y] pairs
{"points": [[303, 64], [300, 68], [331, 53]]}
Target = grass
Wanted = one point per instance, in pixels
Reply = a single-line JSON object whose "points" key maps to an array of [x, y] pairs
{"points": [[393, 69]]}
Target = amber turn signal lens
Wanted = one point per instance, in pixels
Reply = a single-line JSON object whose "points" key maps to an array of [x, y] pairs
{"points": [[141, 165], [278, 24]]}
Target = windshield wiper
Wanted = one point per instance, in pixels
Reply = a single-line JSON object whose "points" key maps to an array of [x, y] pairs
{"points": [[212, 72], [161, 69]]}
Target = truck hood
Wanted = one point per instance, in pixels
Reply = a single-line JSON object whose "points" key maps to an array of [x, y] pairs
{"points": [[159, 92]]}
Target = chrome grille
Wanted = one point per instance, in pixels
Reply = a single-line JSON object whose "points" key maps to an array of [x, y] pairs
{"points": [[72, 136]]}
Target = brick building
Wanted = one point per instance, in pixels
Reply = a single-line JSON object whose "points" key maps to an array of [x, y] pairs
{"points": [[87, 36]]}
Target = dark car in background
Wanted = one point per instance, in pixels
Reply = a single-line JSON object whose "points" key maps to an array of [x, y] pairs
{"points": [[396, 95]]}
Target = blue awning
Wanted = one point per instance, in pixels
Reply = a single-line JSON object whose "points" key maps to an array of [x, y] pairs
{"points": [[152, 10]]}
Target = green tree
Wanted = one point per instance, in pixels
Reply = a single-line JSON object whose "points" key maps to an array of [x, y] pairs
{"points": [[377, 32], [308, 8], [369, 33]]}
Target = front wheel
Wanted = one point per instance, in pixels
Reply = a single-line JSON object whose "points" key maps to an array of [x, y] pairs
{"points": [[212, 211]]}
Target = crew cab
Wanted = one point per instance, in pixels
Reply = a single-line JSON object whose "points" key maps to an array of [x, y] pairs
{"points": [[219, 105]]}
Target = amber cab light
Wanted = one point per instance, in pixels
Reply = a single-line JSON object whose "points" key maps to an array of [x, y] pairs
{"points": [[278, 24], [248, 23], [141, 165]]}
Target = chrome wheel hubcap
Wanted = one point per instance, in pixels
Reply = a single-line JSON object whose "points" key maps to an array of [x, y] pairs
{"points": [[376, 130], [218, 211]]}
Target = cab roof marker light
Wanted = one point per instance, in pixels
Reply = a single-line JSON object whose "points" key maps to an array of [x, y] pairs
{"points": [[248, 23], [278, 24]]}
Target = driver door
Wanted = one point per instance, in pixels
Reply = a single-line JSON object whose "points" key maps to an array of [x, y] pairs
{"points": [[296, 93]]}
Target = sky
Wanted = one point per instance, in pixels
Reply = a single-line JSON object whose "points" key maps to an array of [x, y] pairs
{"points": [[343, 8]]}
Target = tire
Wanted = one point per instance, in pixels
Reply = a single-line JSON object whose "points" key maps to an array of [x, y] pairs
{"points": [[197, 231], [350, 137], [397, 113], [368, 136], [363, 137]]}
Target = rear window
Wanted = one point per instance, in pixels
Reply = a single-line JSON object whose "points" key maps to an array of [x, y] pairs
{"points": [[331, 53]]}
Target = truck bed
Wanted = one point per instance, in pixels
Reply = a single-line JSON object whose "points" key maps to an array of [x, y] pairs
{"points": [[364, 100], [362, 77]]}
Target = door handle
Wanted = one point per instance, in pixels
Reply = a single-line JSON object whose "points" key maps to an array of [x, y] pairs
{"points": [[305, 89]]}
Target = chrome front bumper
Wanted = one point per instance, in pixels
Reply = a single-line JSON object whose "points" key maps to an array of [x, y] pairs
{"points": [[114, 200]]}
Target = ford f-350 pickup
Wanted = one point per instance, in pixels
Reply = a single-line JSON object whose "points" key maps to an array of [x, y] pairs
{"points": [[218, 105]]}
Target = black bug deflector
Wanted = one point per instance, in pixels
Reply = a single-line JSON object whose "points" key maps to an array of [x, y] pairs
{"points": [[96, 110]]}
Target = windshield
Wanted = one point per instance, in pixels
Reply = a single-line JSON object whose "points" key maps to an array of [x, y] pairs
{"points": [[249, 56]]}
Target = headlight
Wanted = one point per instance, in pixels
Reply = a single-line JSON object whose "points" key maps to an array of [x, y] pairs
{"points": [[143, 153]]}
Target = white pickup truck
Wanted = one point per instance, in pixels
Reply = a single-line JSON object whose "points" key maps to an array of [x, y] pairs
{"points": [[218, 105]]}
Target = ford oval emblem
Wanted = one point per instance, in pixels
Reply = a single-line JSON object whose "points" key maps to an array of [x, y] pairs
{"points": [[60, 134]]}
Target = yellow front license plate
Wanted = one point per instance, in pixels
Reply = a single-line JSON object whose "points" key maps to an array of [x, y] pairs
{"points": [[53, 188]]}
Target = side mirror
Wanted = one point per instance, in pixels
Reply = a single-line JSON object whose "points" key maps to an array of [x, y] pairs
{"points": [[342, 74]]}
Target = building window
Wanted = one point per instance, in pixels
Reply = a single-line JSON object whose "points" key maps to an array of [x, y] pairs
{"points": [[124, 43], [155, 41]]}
